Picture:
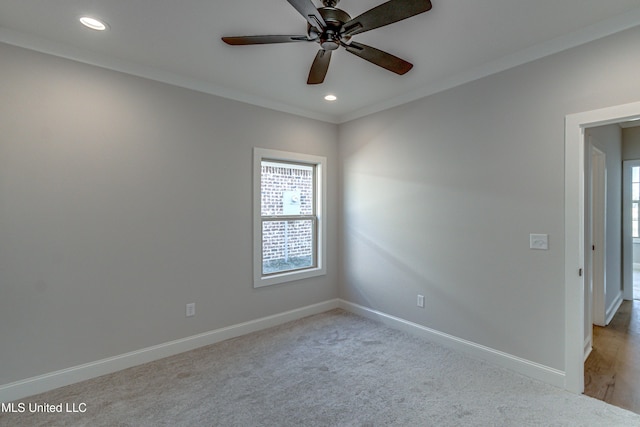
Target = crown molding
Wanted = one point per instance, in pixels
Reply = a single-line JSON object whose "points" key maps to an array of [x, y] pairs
{"points": [[86, 56], [585, 35]]}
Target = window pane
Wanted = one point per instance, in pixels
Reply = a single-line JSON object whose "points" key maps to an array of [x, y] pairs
{"points": [[287, 245], [287, 189], [634, 230], [634, 211], [635, 174], [635, 191]]}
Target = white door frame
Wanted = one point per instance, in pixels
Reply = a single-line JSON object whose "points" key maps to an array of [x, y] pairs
{"points": [[627, 239], [575, 125]]}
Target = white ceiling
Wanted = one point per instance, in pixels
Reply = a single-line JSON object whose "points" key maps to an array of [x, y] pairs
{"points": [[179, 42]]}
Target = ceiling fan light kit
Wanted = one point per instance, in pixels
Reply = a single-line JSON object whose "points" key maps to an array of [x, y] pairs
{"points": [[331, 28]]}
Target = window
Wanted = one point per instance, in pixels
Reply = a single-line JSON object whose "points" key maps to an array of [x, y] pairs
{"points": [[289, 214], [635, 199]]}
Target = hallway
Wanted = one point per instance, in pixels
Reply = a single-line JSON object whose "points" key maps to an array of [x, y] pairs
{"points": [[612, 370]]}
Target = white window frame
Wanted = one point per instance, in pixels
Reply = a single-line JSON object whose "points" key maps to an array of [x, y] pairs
{"points": [[633, 164], [320, 164]]}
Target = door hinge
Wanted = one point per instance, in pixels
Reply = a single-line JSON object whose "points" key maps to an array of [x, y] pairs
{"points": [[580, 272]]}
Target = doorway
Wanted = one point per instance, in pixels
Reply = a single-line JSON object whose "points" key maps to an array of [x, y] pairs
{"points": [[610, 370], [575, 125]]}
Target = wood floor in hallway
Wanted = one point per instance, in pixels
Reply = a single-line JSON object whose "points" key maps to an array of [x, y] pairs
{"points": [[612, 370]]}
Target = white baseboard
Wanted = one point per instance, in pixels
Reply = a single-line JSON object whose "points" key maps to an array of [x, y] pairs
{"points": [[30, 386], [613, 308], [588, 347], [522, 366], [42, 383]]}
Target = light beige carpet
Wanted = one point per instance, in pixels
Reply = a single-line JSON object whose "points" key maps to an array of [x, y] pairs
{"points": [[333, 369]]}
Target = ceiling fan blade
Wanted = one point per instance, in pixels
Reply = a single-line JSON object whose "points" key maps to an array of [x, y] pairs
{"points": [[385, 14], [307, 9], [245, 40], [319, 67], [380, 58]]}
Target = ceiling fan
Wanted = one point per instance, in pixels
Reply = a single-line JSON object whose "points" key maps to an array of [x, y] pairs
{"points": [[332, 27]]}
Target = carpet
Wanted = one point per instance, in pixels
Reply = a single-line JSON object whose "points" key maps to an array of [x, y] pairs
{"points": [[331, 369]]}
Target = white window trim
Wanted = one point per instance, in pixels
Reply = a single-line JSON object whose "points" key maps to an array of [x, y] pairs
{"points": [[260, 154]]}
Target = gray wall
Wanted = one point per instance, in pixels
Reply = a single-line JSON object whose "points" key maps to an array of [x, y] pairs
{"points": [[123, 199], [114, 214], [631, 143], [439, 197]]}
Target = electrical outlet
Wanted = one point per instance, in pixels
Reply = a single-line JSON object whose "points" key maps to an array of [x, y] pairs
{"points": [[191, 309], [421, 301]]}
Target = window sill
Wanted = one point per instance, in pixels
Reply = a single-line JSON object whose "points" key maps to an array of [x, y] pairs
{"points": [[291, 276]]}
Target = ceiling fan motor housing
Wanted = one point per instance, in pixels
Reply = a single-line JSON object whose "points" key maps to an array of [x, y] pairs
{"points": [[330, 38]]}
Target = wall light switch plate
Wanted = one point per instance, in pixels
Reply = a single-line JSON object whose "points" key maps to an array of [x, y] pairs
{"points": [[539, 241]]}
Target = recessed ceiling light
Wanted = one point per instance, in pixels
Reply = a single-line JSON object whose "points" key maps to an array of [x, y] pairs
{"points": [[93, 23], [330, 97]]}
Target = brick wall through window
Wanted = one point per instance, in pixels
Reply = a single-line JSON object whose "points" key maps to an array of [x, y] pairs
{"points": [[287, 189]]}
